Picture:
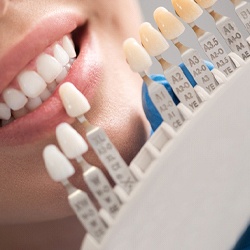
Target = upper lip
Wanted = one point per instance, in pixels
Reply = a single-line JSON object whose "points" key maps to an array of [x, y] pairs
{"points": [[53, 27]]}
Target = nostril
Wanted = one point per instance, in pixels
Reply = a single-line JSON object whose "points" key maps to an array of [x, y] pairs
{"points": [[3, 7]]}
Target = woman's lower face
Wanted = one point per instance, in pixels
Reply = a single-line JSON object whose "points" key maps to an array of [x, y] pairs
{"points": [[98, 29]]}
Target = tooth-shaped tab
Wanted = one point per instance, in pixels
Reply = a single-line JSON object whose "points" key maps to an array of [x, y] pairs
{"points": [[58, 166], [74, 102], [48, 67], [33, 103], [188, 10], [206, 3], [70, 141], [169, 25], [20, 112], [69, 47], [60, 54], [152, 40], [5, 112], [31, 83], [137, 57], [14, 98]]}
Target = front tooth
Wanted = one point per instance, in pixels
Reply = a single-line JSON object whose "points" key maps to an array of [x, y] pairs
{"points": [[31, 83], [33, 103], [48, 67], [61, 55], [69, 47], [14, 98], [4, 111]]}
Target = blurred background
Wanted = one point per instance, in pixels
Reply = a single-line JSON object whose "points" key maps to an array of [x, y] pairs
{"points": [[188, 38]]}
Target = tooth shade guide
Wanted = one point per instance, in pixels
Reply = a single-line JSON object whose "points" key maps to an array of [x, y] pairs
{"points": [[101, 189], [232, 35], [111, 159], [243, 11], [152, 40], [164, 103]]}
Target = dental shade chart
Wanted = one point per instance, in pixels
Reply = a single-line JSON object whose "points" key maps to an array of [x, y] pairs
{"points": [[242, 9], [230, 32], [128, 179], [209, 43], [73, 146], [139, 61], [35, 85], [60, 169], [76, 105], [172, 28], [155, 45]]}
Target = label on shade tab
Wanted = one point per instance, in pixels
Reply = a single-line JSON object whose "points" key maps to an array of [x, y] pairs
{"points": [[111, 159], [182, 88], [198, 69], [243, 11], [217, 54], [102, 190], [233, 37], [87, 214], [165, 105]]}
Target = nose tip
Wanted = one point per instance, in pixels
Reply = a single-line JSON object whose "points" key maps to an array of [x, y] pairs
{"points": [[3, 7]]}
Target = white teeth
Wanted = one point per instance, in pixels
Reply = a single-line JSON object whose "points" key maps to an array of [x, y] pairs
{"points": [[33, 103], [48, 67], [31, 83], [137, 57], [69, 47], [62, 75], [170, 26], [5, 112], [188, 10], [58, 166], [14, 98], [152, 40], [60, 54], [74, 102], [45, 95], [70, 141]]}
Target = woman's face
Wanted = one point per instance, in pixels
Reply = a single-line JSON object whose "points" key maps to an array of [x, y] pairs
{"points": [[98, 28]]}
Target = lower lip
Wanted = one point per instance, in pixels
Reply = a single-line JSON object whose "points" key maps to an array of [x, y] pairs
{"points": [[41, 123]]}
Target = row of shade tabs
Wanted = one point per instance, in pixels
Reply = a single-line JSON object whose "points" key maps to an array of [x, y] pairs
{"points": [[207, 76]]}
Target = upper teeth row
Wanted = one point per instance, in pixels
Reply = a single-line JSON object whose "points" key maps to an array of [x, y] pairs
{"points": [[37, 85]]}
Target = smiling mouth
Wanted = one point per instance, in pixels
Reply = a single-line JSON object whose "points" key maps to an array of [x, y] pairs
{"points": [[39, 78]]}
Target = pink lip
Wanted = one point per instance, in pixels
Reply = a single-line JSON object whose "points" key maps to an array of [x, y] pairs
{"points": [[84, 74]]}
